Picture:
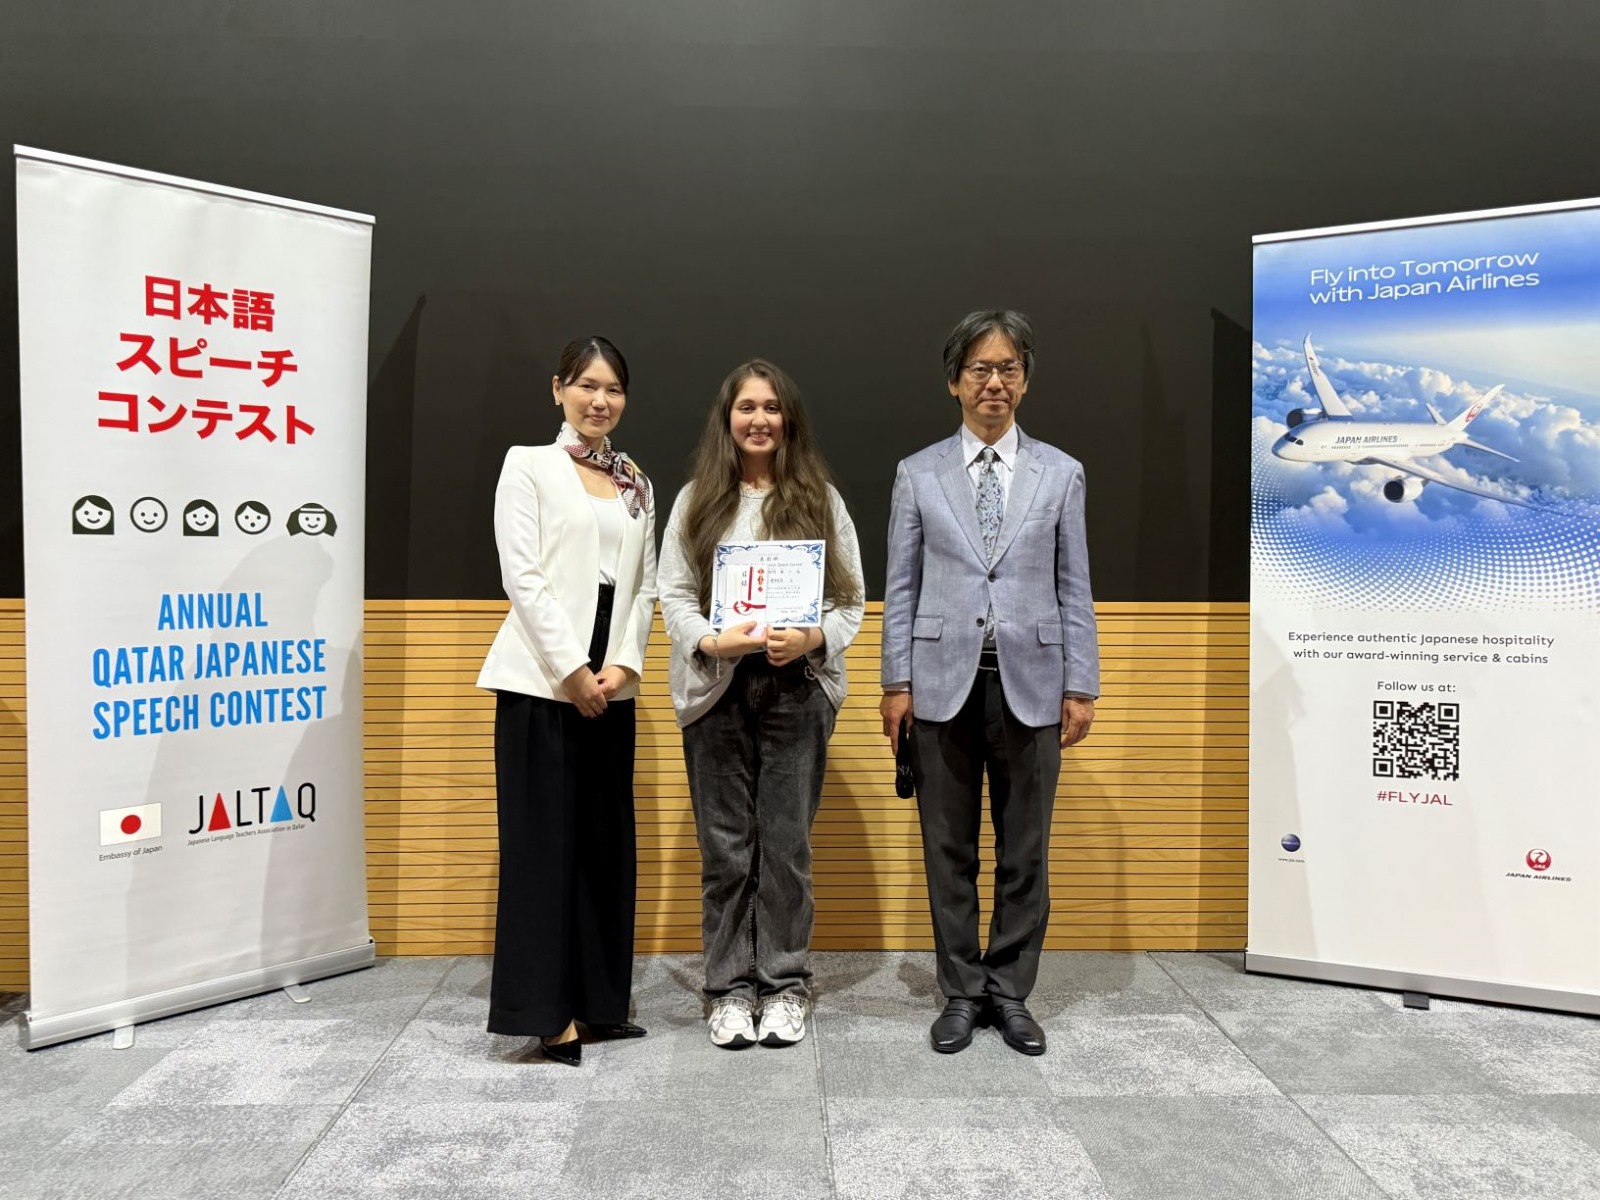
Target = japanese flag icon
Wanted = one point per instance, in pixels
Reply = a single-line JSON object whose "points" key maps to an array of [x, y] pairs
{"points": [[129, 824]]}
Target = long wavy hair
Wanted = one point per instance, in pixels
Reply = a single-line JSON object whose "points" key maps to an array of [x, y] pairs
{"points": [[798, 506]]}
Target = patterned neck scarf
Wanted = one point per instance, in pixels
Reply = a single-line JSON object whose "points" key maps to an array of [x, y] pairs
{"points": [[632, 484]]}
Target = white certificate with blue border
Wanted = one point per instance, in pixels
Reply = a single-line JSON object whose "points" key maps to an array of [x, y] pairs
{"points": [[770, 583]]}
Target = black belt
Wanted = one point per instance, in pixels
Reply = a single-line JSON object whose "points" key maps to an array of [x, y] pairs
{"points": [[988, 660], [605, 601]]}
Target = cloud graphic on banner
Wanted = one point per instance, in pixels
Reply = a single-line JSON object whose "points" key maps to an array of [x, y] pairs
{"points": [[1325, 531], [1558, 451]]}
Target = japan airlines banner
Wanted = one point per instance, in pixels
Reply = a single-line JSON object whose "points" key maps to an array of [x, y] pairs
{"points": [[1425, 606], [193, 370]]}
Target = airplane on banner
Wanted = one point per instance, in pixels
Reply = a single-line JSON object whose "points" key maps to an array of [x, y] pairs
{"points": [[1333, 434]]}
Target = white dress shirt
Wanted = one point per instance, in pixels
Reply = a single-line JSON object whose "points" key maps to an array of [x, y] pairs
{"points": [[1006, 458]]}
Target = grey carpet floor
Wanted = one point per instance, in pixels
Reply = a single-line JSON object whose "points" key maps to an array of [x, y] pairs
{"points": [[1168, 1076]]}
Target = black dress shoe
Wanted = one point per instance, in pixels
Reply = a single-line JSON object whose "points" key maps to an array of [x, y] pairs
{"points": [[1018, 1029], [570, 1052], [610, 1031], [953, 1030]]}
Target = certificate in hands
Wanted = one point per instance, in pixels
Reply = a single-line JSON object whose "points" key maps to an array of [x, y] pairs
{"points": [[770, 583]]}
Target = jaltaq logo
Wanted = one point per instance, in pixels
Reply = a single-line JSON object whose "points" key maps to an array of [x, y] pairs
{"points": [[1538, 860]]}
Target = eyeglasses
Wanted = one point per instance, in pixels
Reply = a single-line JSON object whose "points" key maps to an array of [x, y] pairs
{"points": [[979, 372]]}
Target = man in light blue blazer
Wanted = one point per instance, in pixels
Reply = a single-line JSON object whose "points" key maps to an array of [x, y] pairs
{"points": [[990, 664]]}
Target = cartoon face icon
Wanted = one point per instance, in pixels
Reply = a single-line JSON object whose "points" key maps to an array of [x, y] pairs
{"points": [[148, 514], [252, 517], [200, 519], [312, 519], [92, 514]]}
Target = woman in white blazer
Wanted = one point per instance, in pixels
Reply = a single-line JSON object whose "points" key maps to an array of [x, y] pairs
{"points": [[575, 526]]}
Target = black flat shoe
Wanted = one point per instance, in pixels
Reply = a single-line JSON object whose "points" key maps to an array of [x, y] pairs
{"points": [[610, 1031], [570, 1052]]}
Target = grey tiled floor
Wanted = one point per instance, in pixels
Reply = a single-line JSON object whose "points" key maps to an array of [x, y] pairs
{"points": [[1169, 1075]]}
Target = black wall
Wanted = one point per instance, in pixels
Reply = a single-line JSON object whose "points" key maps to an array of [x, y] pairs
{"points": [[829, 183]]}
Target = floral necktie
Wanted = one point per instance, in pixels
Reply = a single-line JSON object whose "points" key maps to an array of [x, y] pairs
{"points": [[991, 508], [991, 501]]}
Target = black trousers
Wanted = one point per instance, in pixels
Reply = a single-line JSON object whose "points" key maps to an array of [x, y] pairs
{"points": [[949, 759], [563, 938]]}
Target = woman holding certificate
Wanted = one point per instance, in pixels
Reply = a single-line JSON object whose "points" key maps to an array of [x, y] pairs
{"points": [[757, 701], [575, 525]]}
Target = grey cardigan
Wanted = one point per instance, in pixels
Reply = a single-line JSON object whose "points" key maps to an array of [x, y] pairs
{"points": [[694, 677]]}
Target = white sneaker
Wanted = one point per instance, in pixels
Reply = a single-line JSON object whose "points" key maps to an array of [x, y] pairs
{"points": [[732, 1024], [783, 1020]]}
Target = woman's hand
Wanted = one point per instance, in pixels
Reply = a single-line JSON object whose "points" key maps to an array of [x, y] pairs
{"points": [[583, 689], [733, 642], [786, 645], [613, 679]]}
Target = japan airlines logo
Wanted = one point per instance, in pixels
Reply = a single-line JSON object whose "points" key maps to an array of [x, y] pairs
{"points": [[1539, 862]]}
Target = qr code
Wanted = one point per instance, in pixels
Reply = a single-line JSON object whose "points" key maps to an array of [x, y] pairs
{"points": [[1416, 741]]}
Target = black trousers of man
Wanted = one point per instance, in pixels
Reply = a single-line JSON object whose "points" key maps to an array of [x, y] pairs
{"points": [[1023, 763]]}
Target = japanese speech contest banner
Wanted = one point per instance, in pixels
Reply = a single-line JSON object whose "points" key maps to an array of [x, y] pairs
{"points": [[1425, 606], [193, 378]]}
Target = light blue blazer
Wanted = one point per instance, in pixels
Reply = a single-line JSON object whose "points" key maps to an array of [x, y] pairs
{"points": [[940, 585]]}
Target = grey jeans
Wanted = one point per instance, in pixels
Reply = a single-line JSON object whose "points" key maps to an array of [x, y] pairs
{"points": [[756, 761]]}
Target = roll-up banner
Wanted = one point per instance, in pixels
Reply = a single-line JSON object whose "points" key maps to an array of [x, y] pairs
{"points": [[193, 379], [1425, 606]]}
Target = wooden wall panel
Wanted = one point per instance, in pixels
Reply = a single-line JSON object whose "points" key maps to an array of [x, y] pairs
{"points": [[13, 802], [1148, 849]]}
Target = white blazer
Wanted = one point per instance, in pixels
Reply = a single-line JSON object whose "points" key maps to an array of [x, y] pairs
{"points": [[549, 543]]}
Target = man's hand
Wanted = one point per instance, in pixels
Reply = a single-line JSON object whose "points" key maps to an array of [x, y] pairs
{"points": [[613, 679], [585, 692], [1077, 714], [895, 709], [786, 645]]}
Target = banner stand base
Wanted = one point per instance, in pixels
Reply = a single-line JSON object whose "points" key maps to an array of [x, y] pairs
{"points": [[1583, 1003], [37, 1032]]}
